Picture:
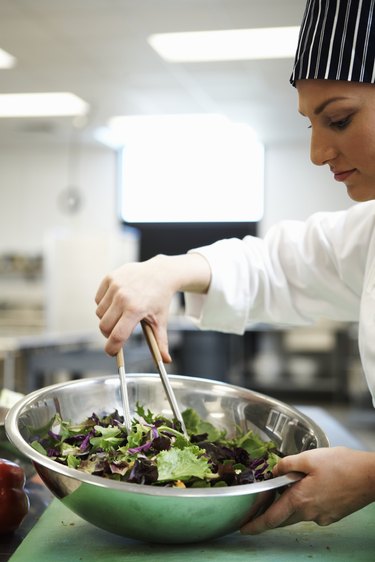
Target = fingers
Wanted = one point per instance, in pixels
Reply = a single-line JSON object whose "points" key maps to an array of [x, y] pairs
{"points": [[117, 321], [284, 511], [280, 513], [160, 333], [262, 502], [301, 462], [103, 287], [122, 329], [109, 294]]}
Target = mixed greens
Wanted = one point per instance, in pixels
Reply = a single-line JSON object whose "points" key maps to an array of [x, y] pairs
{"points": [[156, 452]]}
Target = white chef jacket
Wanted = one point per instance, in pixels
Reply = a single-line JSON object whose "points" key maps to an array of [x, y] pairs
{"points": [[299, 273]]}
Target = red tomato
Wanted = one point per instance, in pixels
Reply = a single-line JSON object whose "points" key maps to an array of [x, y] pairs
{"points": [[14, 503]]}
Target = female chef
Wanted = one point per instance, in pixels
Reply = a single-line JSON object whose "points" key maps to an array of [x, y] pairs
{"points": [[301, 271]]}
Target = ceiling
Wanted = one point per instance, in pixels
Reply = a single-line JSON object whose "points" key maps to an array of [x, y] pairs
{"points": [[98, 50]]}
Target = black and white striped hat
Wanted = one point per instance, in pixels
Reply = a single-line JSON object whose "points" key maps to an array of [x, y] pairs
{"points": [[336, 41]]}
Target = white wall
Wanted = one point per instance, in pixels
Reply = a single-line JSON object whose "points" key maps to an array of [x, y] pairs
{"points": [[32, 178], [295, 188]]}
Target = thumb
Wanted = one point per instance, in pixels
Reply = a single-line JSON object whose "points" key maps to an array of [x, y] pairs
{"points": [[157, 339], [162, 339], [297, 463]]}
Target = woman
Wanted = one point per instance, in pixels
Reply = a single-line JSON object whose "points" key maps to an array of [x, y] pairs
{"points": [[301, 271]]}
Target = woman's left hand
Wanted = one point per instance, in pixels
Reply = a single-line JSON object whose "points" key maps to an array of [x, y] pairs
{"points": [[337, 482]]}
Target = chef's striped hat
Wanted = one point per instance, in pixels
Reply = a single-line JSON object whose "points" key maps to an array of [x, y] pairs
{"points": [[336, 41]]}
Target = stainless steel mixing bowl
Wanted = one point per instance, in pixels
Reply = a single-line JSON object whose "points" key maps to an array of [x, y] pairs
{"points": [[3, 413], [166, 515]]}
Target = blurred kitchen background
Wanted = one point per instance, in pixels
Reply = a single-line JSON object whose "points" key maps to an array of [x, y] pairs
{"points": [[68, 211]]}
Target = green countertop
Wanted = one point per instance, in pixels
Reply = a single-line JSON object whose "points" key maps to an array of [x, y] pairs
{"points": [[61, 536]]}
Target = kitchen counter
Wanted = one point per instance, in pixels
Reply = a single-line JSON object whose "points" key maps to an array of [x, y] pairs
{"points": [[60, 535], [45, 354], [35, 347]]}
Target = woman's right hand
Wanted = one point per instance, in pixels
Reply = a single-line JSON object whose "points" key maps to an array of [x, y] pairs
{"points": [[143, 291]]}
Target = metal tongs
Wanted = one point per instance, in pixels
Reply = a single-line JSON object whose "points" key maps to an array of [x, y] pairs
{"points": [[124, 390], [155, 352]]}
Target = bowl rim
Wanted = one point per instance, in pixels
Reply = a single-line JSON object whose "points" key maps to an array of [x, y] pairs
{"points": [[14, 435]]}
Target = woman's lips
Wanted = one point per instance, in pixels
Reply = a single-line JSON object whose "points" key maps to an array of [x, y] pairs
{"points": [[342, 176]]}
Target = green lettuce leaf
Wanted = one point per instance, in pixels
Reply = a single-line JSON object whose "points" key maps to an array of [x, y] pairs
{"points": [[38, 447], [107, 439], [137, 435], [254, 444], [196, 426], [182, 464]]}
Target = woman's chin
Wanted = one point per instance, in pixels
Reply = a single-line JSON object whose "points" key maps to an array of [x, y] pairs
{"points": [[360, 194]]}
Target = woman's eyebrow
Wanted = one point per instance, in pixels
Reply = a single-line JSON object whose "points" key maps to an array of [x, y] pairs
{"points": [[324, 104]]}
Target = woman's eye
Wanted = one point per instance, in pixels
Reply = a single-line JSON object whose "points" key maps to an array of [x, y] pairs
{"points": [[341, 123]]}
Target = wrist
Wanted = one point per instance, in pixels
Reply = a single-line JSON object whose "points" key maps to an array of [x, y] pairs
{"points": [[186, 272]]}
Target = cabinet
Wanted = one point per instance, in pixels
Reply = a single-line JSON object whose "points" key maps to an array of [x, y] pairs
{"points": [[21, 294]]}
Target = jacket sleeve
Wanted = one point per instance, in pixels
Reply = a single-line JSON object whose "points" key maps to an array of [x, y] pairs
{"points": [[300, 272]]}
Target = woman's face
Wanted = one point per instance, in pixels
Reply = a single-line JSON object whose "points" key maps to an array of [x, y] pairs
{"points": [[342, 119]]}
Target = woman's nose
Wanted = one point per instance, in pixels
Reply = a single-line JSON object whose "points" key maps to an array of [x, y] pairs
{"points": [[322, 149]]}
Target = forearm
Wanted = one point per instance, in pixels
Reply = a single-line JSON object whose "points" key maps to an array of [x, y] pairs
{"points": [[299, 273]]}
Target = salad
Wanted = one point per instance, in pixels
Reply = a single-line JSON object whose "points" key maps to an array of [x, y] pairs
{"points": [[156, 452]]}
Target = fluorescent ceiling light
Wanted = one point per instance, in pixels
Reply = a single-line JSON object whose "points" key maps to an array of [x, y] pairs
{"points": [[42, 105], [226, 45], [6, 60]]}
